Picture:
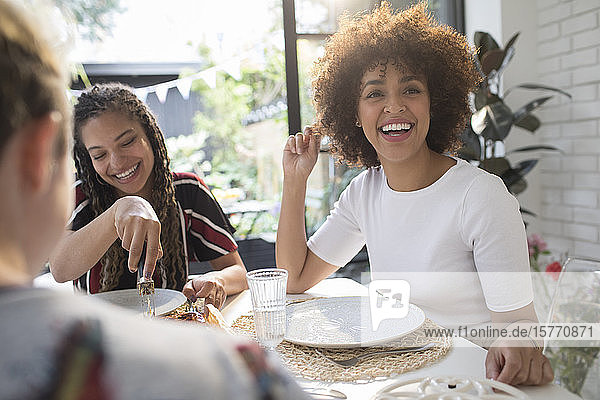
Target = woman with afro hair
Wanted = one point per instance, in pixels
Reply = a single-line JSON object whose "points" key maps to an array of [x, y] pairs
{"points": [[128, 201], [392, 93]]}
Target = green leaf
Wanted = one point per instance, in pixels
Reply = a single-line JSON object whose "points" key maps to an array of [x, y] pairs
{"points": [[529, 122], [535, 86], [517, 187], [533, 148], [483, 97], [484, 43], [500, 119], [529, 107], [511, 41], [492, 60], [496, 165], [471, 148], [525, 166]]}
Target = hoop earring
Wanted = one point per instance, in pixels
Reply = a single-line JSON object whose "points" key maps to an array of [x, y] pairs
{"points": [[358, 125]]}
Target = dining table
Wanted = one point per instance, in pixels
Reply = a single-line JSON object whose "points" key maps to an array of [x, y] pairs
{"points": [[464, 359]]}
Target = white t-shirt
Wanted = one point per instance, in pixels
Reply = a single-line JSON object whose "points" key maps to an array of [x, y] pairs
{"points": [[460, 242]]}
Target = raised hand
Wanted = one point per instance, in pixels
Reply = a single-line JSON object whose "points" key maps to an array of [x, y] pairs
{"points": [[300, 154], [136, 223]]}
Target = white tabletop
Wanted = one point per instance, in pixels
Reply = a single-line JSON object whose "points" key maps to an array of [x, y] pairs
{"points": [[464, 359]]}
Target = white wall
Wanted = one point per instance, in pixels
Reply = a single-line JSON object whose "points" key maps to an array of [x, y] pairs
{"points": [[559, 46]]}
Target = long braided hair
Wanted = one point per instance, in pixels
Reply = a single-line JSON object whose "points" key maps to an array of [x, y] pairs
{"points": [[115, 97]]}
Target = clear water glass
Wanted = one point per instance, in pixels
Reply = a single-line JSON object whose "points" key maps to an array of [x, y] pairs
{"points": [[268, 289]]}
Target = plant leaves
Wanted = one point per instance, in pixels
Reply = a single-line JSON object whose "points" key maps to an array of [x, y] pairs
{"points": [[483, 97], [526, 211], [535, 86], [500, 118], [511, 41], [484, 42], [514, 181], [479, 120], [527, 108], [496, 165], [529, 122], [525, 166], [471, 147], [492, 60], [533, 148]]}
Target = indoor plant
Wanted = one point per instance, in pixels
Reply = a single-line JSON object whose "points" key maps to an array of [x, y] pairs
{"points": [[493, 120]]}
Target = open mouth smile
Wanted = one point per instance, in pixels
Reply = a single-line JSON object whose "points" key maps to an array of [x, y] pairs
{"points": [[127, 174], [397, 131]]}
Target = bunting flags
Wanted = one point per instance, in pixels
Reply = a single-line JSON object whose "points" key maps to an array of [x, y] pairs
{"points": [[184, 84]]}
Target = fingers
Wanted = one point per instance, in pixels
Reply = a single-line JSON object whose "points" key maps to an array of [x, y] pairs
{"points": [[493, 366], [137, 224], [547, 373], [212, 291], [302, 142], [135, 250], [188, 291], [518, 366], [153, 251]]}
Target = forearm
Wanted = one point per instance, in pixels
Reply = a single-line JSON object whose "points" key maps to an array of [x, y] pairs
{"points": [[521, 317], [291, 250], [233, 278], [78, 251]]}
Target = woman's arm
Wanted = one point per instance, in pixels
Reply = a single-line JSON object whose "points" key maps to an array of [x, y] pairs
{"points": [[130, 218], [304, 268]]}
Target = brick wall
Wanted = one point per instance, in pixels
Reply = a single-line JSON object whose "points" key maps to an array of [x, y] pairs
{"points": [[568, 57]]}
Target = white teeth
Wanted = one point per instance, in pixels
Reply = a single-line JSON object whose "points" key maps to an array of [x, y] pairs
{"points": [[127, 173], [396, 127]]}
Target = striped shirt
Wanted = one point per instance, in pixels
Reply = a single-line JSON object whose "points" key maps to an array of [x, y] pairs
{"points": [[207, 231]]}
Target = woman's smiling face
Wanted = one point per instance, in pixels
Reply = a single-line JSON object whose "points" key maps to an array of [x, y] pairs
{"points": [[393, 110], [121, 153]]}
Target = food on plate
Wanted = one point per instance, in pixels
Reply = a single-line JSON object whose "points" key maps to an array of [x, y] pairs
{"points": [[212, 316]]}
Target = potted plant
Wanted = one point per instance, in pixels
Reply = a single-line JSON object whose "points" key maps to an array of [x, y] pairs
{"points": [[493, 120]]}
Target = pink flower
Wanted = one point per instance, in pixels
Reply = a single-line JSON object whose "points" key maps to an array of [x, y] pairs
{"points": [[536, 244], [553, 269]]}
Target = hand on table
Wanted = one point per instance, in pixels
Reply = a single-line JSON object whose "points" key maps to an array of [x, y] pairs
{"points": [[136, 223], [212, 289], [523, 365]]}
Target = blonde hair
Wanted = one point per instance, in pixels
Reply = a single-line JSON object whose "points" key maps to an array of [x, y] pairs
{"points": [[33, 78]]}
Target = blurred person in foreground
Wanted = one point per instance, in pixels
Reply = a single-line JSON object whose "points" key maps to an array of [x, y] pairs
{"points": [[392, 93], [52, 346]]}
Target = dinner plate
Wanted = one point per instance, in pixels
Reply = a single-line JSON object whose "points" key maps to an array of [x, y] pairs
{"points": [[165, 300], [344, 322]]}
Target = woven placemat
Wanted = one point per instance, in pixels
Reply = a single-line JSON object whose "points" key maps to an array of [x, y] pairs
{"points": [[310, 363]]}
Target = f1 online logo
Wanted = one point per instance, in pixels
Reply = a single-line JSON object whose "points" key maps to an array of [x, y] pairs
{"points": [[388, 299]]}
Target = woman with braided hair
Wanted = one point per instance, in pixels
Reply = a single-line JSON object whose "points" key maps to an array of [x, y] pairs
{"points": [[128, 200]]}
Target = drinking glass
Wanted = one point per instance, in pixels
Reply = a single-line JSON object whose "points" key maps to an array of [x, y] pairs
{"points": [[267, 289]]}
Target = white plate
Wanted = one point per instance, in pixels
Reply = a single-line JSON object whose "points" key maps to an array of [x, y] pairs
{"points": [[165, 300], [344, 322]]}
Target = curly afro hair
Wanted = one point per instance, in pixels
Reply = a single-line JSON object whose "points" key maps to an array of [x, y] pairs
{"points": [[414, 41]]}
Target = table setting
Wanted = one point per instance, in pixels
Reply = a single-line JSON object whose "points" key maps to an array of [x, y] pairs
{"points": [[326, 326]]}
